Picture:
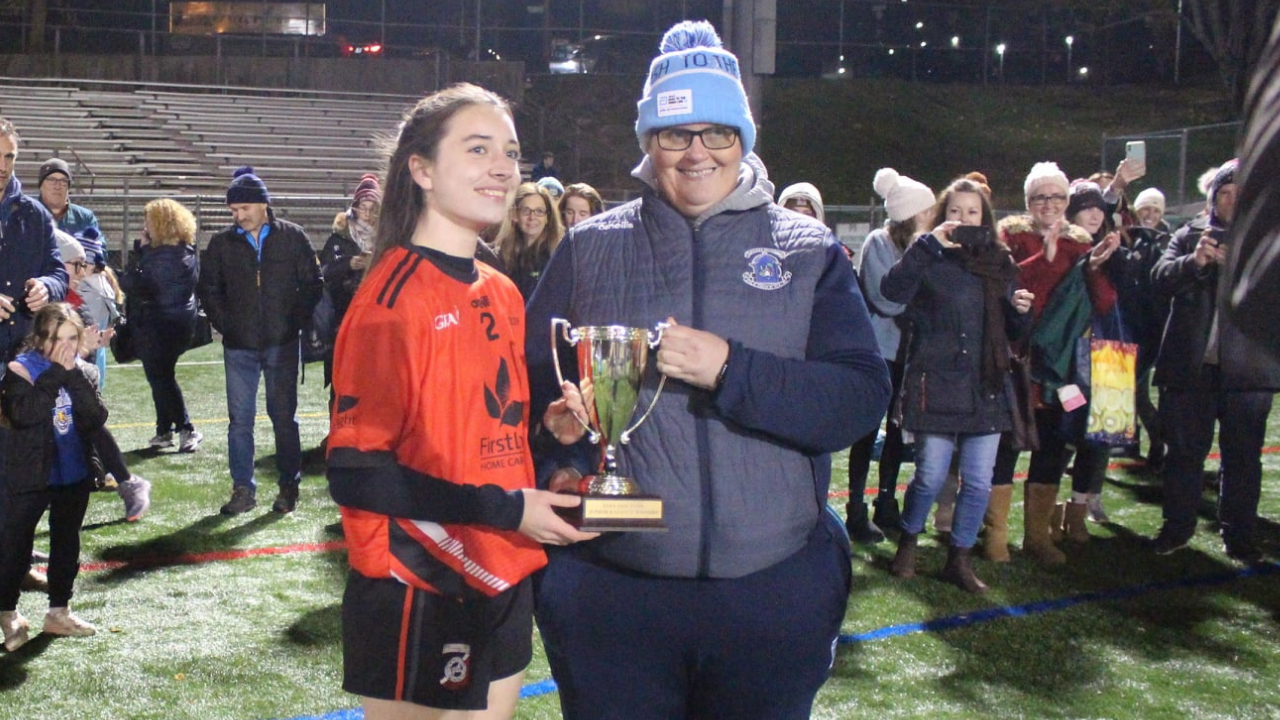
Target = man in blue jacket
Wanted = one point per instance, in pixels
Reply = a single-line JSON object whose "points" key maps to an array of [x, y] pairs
{"points": [[31, 273], [259, 279], [771, 366]]}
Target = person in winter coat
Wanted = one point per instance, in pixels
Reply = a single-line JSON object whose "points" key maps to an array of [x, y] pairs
{"points": [[346, 253], [1047, 247], [51, 407], [161, 283], [1200, 341], [771, 366], [911, 207], [259, 283], [964, 307]]}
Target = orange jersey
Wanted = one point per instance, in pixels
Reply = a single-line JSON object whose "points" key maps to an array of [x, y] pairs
{"points": [[430, 367]]}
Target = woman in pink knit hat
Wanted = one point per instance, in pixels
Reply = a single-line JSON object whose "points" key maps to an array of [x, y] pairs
{"points": [[346, 252]]}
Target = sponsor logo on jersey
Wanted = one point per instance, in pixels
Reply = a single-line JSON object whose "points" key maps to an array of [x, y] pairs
{"points": [[497, 399], [481, 302], [457, 666], [765, 270], [445, 320]]}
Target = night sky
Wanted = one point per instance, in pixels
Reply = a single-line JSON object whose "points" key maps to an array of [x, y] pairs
{"points": [[928, 41]]}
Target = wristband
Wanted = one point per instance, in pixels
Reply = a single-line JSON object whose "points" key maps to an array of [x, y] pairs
{"points": [[724, 370]]}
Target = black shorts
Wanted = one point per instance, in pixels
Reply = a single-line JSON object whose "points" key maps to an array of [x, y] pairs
{"points": [[404, 644]]}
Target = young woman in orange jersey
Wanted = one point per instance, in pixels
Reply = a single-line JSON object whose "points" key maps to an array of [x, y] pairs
{"points": [[428, 453]]}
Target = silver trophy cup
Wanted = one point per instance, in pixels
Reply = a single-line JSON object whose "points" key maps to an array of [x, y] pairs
{"points": [[611, 363]]}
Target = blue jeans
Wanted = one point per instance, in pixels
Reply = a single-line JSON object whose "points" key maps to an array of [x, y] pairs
{"points": [[933, 460], [280, 367]]}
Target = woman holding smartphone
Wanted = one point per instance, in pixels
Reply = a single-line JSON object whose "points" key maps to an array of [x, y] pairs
{"points": [[959, 287]]}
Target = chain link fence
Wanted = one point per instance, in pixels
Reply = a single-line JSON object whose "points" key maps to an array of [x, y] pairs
{"points": [[1175, 160]]}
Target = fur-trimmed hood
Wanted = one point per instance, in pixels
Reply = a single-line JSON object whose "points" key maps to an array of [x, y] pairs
{"points": [[1018, 224], [340, 224]]}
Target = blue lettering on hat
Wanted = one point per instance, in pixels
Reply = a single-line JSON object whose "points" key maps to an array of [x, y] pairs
{"points": [[697, 59], [659, 69]]}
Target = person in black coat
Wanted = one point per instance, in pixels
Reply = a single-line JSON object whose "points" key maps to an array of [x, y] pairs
{"points": [[964, 308], [52, 407], [346, 254], [161, 284], [259, 282], [1197, 392]]}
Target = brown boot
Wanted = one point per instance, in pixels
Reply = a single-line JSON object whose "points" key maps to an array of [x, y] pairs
{"points": [[995, 546], [904, 562], [958, 571], [1038, 509], [1073, 522]]}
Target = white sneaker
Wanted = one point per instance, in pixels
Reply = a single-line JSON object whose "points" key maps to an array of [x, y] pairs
{"points": [[60, 621], [189, 441], [15, 629], [136, 493], [1097, 513], [160, 442]]}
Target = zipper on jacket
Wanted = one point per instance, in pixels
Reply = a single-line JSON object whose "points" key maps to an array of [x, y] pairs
{"points": [[924, 396], [700, 431]]}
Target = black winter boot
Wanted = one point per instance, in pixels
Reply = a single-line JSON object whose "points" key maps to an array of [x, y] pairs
{"points": [[862, 530]]}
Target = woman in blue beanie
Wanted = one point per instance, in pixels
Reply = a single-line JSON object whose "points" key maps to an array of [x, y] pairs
{"points": [[771, 365]]}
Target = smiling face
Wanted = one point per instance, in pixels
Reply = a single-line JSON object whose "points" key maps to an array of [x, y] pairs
{"points": [[1047, 202], [1149, 216], [475, 168], [694, 179], [531, 216]]}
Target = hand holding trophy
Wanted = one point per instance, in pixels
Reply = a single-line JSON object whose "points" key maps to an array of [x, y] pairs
{"points": [[611, 364]]}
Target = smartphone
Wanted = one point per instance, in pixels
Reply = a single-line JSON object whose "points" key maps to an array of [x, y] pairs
{"points": [[971, 235], [1136, 150]]}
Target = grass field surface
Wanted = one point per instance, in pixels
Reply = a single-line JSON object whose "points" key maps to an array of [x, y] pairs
{"points": [[209, 617]]}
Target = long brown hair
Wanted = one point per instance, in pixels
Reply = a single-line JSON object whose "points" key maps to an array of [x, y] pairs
{"points": [[48, 321], [421, 130], [965, 184], [519, 253]]}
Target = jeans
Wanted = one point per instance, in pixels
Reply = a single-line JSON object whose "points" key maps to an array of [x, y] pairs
{"points": [[280, 367], [1188, 417], [933, 461]]}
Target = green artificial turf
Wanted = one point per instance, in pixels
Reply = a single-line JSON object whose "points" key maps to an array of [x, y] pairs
{"points": [[184, 634]]}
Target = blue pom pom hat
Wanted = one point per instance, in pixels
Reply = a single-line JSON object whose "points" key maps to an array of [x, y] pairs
{"points": [[247, 188], [694, 80]]}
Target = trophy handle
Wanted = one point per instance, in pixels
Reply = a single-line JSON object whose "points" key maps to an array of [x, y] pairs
{"points": [[572, 337], [655, 339]]}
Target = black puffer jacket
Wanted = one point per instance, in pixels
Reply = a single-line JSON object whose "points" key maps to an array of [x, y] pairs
{"points": [[29, 407], [254, 302]]}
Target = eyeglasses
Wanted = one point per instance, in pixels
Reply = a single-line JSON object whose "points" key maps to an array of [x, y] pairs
{"points": [[716, 137], [80, 265], [1042, 199], [532, 212], [58, 182]]}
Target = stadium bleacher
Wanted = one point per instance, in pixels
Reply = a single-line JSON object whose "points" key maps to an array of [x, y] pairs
{"points": [[130, 145]]}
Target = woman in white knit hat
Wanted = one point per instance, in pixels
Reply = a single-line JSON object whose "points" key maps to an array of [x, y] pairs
{"points": [[1046, 247], [910, 205]]}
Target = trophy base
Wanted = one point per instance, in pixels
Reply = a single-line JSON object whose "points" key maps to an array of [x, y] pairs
{"points": [[616, 513]]}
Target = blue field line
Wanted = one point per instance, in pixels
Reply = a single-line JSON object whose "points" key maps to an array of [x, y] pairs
{"points": [[954, 621]]}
